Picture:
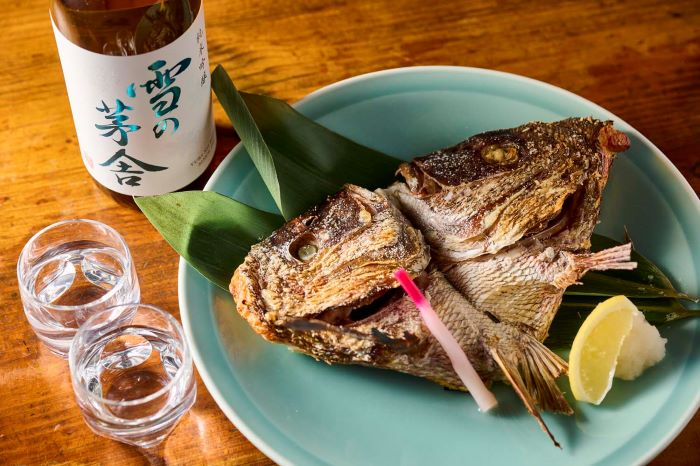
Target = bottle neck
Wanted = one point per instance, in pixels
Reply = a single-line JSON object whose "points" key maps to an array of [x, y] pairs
{"points": [[123, 27]]}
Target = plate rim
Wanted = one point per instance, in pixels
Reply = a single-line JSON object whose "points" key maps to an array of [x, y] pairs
{"points": [[207, 378]]}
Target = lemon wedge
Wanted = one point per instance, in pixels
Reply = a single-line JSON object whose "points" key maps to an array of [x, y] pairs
{"points": [[596, 348]]}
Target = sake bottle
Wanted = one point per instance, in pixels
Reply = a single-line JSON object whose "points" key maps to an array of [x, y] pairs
{"points": [[137, 76]]}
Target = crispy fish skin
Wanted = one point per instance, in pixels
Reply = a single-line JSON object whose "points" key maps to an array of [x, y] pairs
{"points": [[548, 191], [524, 285], [359, 238], [493, 230], [495, 188], [395, 338]]}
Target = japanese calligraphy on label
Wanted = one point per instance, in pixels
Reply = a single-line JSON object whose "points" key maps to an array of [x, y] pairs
{"points": [[144, 122]]}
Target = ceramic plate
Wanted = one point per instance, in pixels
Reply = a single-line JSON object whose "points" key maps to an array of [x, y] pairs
{"points": [[300, 411]]}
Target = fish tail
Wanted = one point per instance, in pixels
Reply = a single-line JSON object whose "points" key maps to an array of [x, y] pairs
{"points": [[617, 258], [532, 372]]}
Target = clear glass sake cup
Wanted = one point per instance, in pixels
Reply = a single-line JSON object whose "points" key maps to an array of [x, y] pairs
{"points": [[132, 374], [67, 272]]}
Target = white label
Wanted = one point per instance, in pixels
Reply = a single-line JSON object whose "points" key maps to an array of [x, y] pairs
{"points": [[144, 122]]}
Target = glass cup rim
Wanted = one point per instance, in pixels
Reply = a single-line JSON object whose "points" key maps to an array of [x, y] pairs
{"points": [[26, 292], [187, 362]]}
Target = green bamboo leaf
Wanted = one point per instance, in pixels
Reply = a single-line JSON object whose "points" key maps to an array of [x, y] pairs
{"points": [[300, 161], [603, 284], [646, 271], [315, 152], [658, 311], [212, 232], [645, 281], [249, 133]]}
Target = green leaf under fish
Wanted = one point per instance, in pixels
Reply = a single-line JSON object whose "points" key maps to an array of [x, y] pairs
{"points": [[646, 271], [603, 284], [251, 138], [213, 233], [314, 160], [645, 281]]}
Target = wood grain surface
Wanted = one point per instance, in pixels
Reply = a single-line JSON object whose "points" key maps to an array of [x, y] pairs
{"points": [[639, 59]]}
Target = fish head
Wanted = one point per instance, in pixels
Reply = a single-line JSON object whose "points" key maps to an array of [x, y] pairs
{"points": [[326, 264], [496, 188]]}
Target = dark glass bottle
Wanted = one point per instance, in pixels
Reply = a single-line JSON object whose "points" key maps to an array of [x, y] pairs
{"points": [[139, 134]]}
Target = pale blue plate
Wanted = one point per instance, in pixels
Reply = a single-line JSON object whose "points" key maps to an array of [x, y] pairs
{"points": [[299, 411]]}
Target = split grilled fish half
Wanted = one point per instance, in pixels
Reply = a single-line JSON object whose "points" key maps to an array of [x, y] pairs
{"points": [[509, 214], [493, 230]]}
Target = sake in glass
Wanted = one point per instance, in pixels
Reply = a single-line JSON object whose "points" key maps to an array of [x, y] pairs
{"points": [[132, 374], [69, 271]]}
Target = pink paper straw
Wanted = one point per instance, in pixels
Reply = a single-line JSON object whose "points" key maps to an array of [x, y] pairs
{"points": [[464, 369]]}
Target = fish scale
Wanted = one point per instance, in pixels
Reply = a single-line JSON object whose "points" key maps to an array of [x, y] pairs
{"points": [[492, 229]]}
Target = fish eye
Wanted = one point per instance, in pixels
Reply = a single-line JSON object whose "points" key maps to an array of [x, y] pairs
{"points": [[365, 216], [304, 248], [499, 154], [306, 252]]}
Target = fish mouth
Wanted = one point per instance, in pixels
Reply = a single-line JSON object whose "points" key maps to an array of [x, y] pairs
{"points": [[372, 308], [361, 311]]}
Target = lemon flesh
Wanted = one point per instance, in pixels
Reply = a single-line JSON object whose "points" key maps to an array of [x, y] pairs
{"points": [[596, 348]]}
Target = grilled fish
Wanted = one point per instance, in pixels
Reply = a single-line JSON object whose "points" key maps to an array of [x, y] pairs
{"points": [[493, 230], [496, 188], [509, 214]]}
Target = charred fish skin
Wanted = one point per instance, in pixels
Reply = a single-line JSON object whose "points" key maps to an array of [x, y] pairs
{"points": [[513, 235], [395, 338], [495, 188], [516, 257], [324, 264]]}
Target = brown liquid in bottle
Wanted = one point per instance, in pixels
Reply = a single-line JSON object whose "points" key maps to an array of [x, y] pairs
{"points": [[128, 27]]}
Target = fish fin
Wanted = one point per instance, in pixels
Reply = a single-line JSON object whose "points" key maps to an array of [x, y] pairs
{"points": [[513, 377], [532, 373], [617, 258], [542, 367]]}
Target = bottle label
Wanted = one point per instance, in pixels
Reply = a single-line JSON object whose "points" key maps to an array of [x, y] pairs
{"points": [[144, 122]]}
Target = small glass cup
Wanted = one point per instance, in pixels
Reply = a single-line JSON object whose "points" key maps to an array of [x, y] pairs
{"points": [[67, 272], [132, 373]]}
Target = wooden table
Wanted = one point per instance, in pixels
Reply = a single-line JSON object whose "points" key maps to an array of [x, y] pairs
{"points": [[639, 59]]}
